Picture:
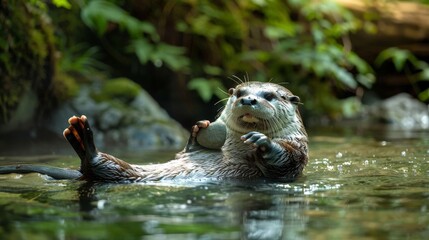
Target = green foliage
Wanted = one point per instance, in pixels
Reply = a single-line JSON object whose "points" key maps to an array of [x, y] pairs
{"points": [[81, 59], [398, 56], [144, 39], [65, 87], [58, 3], [302, 42], [98, 14], [207, 88], [122, 89], [62, 3], [405, 61]]}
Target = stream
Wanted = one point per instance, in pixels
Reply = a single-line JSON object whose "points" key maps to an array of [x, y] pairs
{"points": [[356, 186]]}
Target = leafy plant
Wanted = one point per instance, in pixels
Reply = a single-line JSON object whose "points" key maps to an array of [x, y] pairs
{"points": [[62, 3], [405, 61], [58, 3], [81, 59], [207, 88], [144, 39], [304, 43]]}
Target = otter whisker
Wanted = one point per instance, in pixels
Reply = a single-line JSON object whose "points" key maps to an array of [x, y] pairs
{"points": [[221, 100], [246, 77], [236, 79], [219, 111], [282, 83], [223, 91]]}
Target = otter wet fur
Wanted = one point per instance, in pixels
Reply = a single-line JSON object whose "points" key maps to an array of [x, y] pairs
{"points": [[258, 135]]}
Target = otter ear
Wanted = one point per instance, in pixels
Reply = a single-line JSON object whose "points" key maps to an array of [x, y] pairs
{"points": [[231, 91], [294, 99]]}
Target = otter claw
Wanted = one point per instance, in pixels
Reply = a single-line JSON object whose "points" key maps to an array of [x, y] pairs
{"points": [[258, 140], [198, 125]]}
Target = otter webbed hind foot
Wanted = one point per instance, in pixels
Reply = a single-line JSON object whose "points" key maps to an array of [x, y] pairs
{"points": [[80, 137], [96, 165]]}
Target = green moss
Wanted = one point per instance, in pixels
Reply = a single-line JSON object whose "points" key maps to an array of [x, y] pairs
{"points": [[38, 43], [64, 87], [27, 46], [122, 89]]}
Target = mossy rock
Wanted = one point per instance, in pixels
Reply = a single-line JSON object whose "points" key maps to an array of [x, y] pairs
{"points": [[27, 57], [65, 87], [121, 89]]}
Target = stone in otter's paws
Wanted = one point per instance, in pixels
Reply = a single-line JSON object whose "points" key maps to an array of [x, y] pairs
{"points": [[213, 136]]}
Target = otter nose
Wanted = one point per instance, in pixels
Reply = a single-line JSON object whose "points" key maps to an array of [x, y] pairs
{"points": [[248, 101]]}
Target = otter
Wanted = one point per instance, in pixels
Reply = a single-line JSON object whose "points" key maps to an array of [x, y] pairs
{"points": [[259, 134]]}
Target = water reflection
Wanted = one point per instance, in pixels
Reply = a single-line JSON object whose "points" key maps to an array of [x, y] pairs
{"points": [[257, 210], [87, 197], [236, 210]]}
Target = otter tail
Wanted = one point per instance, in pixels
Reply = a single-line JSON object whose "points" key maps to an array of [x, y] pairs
{"points": [[94, 164], [79, 135], [54, 172]]}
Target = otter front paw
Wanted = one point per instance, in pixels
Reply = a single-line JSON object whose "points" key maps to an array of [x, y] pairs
{"points": [[199, 125], [195, 130], [259, 140]]}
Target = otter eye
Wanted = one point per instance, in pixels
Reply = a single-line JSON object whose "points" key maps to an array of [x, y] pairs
{"points": [[269, 96], [239, 93], [231, 91], [294, 99]]}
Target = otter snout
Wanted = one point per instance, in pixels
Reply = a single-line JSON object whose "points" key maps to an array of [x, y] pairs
{"points": [[249, 101]]}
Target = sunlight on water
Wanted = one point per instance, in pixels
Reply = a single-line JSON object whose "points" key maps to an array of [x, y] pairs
{"points": [[353, 188]]}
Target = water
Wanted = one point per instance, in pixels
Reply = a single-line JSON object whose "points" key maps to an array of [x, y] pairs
{"points": [[354, 187]]}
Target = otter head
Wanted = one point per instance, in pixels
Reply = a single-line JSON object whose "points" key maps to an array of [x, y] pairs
{"points": [[264, 107]]}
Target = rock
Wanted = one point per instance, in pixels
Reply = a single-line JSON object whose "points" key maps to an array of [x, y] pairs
{"points": [[110, 119], [132, 122], [28, 64], [212, 137], [23, 115], [401, 111]]}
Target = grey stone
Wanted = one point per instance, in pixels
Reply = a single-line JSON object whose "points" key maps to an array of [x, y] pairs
{"points": [[23, 116], [402, 111], [141, 124]]}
